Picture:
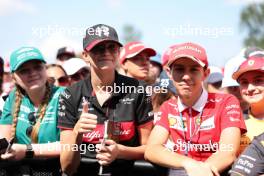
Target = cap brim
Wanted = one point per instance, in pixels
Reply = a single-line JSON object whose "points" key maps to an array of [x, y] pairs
{"points": [[66, 53], [156, 62], [74, 70], [27, 60], [96, 42], [238, 73], [214, 77], [229, 82], [150, 51], [171, 61]]}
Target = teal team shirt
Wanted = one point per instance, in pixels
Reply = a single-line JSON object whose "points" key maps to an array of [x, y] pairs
{"points": [[48, 131]]}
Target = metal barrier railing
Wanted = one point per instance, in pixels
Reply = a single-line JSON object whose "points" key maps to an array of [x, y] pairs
{"points": [[23, 167]]}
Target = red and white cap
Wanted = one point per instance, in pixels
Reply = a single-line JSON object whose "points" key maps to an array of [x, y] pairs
{"points": [[132, 49], [188, 50], [166, 55], [251, 64]]}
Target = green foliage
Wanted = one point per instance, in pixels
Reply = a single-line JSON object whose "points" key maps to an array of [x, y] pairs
{"points": [[130, 33], [252, 19]]}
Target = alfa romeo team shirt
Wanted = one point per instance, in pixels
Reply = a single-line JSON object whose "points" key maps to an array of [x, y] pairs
{"points": [[195, 132], [126, 111]]}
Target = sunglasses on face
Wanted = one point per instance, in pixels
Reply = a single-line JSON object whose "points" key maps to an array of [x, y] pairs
{"points": [[32, 120], [83, 73], [101, 48], [61, 80]]}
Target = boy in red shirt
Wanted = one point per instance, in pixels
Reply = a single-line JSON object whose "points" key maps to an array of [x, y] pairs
{"points": [[201, 130]]}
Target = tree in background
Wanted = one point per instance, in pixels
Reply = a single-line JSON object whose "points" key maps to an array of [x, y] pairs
{"points": [[252, 19], [130, 33]]}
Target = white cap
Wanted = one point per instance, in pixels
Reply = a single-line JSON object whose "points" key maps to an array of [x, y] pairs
{"points": [[215, 75], [230, 67], [73, 65]]}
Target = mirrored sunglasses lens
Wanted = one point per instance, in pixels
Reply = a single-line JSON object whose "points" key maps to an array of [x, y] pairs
{"points": [[63, 80], [29, 130], [32, 118]]}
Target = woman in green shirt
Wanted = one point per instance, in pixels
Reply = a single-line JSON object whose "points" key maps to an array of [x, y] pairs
{"points": [[30, 114]]}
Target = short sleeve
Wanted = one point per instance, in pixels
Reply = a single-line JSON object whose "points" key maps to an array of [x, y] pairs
{"points": [[232, 115], [6, 117], [67, 112], [162, 117]]}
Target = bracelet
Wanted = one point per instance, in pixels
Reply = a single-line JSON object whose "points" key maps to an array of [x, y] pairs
{"points": [[29, 151]]}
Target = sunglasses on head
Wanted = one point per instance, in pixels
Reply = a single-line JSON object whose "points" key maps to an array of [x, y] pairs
{"points": [[83, 73], [32, 120], [101, 48]]}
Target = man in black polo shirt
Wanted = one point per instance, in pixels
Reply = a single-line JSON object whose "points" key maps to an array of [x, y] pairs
{"points": [[106, 95], [251, 161]]}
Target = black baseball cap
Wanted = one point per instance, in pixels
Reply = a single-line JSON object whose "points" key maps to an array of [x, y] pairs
{"points": [[97, 34], [66, 51]]}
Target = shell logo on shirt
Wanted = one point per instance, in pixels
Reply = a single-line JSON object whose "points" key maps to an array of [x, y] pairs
{"points": [[176, 122]]}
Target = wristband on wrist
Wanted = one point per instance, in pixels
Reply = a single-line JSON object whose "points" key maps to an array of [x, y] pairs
{"points": [[29, 151]]}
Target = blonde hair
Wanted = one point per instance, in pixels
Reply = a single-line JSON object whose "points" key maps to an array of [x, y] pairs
{"points": [[42, 109]]}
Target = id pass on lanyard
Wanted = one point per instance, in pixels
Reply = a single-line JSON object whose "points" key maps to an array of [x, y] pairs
{"points": [[197, 124]]}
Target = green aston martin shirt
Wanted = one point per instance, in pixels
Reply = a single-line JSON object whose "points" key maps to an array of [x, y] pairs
{"points": [[48, 131]]}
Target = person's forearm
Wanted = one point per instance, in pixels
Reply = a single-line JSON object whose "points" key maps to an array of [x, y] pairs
{"points": [[48, 150], [131, 153], [164, 157], [5, 131], [69, 158], [221, 160], [228, 147]]}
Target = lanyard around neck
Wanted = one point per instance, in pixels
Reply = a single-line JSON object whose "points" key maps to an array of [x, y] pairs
{"points": [[197, 124]]}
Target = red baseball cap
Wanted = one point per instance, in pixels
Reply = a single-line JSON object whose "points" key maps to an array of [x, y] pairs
{"points": [[134, 48], [251, 64], [166, 54], [188, 50]]}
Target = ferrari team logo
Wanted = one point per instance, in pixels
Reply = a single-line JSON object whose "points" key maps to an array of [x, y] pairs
{"points": [[251, 62]]}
